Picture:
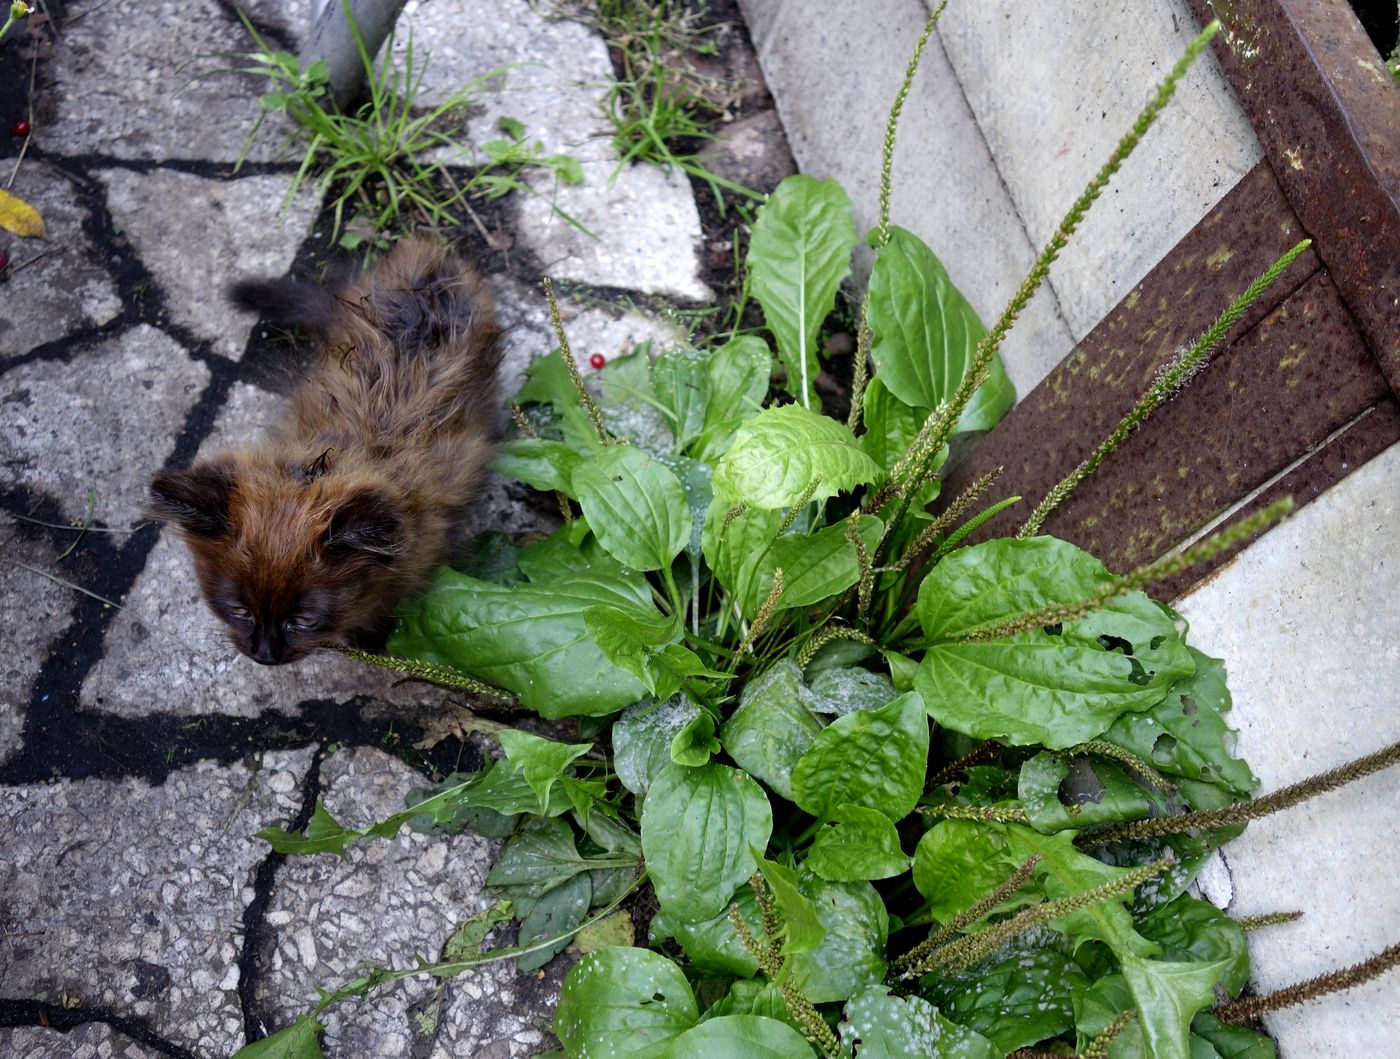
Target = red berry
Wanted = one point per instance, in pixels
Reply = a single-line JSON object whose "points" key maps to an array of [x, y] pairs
{"points": [[20, 127], [597, 360]]}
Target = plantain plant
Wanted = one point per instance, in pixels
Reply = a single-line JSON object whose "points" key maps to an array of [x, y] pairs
{"points": [[894, 793]]}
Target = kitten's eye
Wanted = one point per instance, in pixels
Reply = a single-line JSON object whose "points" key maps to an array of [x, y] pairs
{"points": [[239, 613], [302, 622]]}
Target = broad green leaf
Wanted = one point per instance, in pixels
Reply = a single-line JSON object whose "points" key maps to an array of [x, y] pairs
{"points": [[490, 556], [629, 405], [924, 334], [1189, 929], [635, 505], [802, 928], [547, 382], [851, 954], [642, 740], [680, 378], [571, 551], [754, 997], [1232, 1042], [1104, 793], [556, 912], [1167, 997], [623, 1002], [1060, 686], [890, 424], [1186, 735], [798, 255], [300, 1040], [959, 862], [1097, 1006], [772, 728], [629, 639], [695, 743], [739, 374], [816, 566], [1065, 871], [847, 689], [541, 761], [880, 1026], [736, 546], [529, 639], [539, 857], [874, 758], [855, 845], [740, 1037], [542, 464], [712, 947], [694, 477], [1016, 1002], [699, 826], [778, 455]]}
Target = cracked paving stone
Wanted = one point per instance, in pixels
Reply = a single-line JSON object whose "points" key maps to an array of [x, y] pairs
{"points": [[130, 897], [126, 86], [103, 420], [33, 612], [167, 653], [196, 235], [553, 79], [389, 902], [60, 286], [91, 1040], [644, 225]]}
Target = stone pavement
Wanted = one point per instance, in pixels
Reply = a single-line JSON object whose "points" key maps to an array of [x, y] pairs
{"points": [[138, 753]]}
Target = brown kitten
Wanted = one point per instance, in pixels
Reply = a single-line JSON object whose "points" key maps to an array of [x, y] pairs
{"points": [[312, 536]]}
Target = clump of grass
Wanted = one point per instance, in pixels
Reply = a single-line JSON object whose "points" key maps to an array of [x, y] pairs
{"points": [[386, 162], [661, 105]]}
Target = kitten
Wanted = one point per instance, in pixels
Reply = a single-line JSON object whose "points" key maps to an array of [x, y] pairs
{"points": [[312, 536]]}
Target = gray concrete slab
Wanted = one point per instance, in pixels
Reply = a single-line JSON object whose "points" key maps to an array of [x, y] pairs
{"points": [[387, 902], [33, 611], [141, 911], [124, 91], [1306, 622], [640, 229], [1053, 90], [60, 286], [834, 79], [99, 421], [92, 1040], [238, 237], [553, 72]]}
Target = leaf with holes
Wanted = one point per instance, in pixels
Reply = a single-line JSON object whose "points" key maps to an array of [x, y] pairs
{"points": [[623, 1002], [1057, 686]]}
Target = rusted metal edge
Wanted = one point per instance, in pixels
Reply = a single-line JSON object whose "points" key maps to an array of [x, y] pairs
{"points": [[1370, 435], [1327, 113], [1278, 392], [1064, 418]]}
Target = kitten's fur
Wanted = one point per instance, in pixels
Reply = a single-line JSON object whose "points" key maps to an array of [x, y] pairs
{"points": [[313, 535]]}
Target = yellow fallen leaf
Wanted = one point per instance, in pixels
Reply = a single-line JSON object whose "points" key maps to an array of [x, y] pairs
{"points": [[19, 217]]}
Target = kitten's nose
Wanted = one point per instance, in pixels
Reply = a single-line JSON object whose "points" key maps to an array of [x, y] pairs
{"points": [[266, 649]]}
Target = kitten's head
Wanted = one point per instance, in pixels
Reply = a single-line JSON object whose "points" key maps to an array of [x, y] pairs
{"points": [[288, 561]]}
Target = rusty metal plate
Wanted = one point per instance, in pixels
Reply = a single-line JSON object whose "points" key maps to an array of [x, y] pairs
{"points": [[1063, 419], [1327, 113]]}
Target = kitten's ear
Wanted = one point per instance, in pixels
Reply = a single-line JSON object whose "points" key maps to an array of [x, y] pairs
{"points": [[366, 524], [196, 500]]}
